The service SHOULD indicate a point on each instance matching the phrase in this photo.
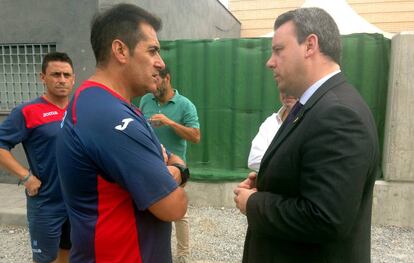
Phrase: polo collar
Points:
(173, 99)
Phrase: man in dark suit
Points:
(311, 200)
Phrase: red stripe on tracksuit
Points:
(116, 236)
(41, 113)
(89, 84)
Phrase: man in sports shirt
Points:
(121, 195)
(36, 124)
(175, 120)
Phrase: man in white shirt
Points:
(268, 130)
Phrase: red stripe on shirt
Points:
(78, 91)
(88, 84)
(116, 236)
(41, 113)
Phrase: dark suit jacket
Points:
(315, 183)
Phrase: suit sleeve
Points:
(336, 157)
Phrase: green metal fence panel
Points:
(365, 62)
(234, 92)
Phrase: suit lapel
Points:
(285, 130)
(281, 135)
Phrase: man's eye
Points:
(277, 50)
(154, 51)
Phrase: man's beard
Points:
(161, 91)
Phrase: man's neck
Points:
(168, 95)
(110, 81)
(60, 102)
(323, 68)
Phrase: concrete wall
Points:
(65, 23)
(188, 19)
(393, 204)
(394, 200)
(398, 162)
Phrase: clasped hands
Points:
(244, 190)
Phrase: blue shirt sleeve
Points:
(13, 129)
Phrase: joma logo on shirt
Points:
(124, 125)
(50, 113)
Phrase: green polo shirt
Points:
(179, 109)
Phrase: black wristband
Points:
(184, 172)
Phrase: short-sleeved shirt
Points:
(36, 124)
(179, 109)
(112, 170)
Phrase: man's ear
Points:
(42, 77)
(120, 51)
(311, 44)
(168, 78)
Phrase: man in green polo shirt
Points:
(175, 121)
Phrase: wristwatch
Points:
(184, 171)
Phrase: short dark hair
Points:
(55, 56)
(164, 72)
(315, 21)
(121, 22)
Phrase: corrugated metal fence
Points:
(234, 92)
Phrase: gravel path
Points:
(217, 235)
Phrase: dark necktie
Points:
(293, 112)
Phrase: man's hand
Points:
(175, 173)
(250, 181)
(10, 163)
(32, 185)
(244, 190)
(160, 119)
(242, 195)
(164, 154)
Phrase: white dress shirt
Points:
(263, 138)
(271, 125)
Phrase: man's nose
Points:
(271, 63)
(159, 63)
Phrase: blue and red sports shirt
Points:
(36, 124)
(112, 169)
